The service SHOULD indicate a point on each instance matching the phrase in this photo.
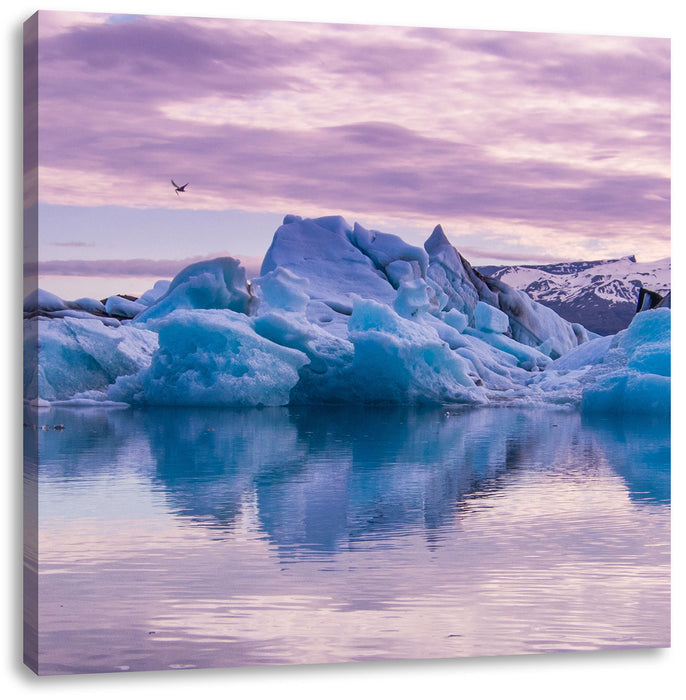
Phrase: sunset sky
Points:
(526, 147)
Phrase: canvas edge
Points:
(30, 283)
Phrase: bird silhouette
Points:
(178, 188)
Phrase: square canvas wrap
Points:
(342, 343)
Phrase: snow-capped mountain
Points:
(600, 294)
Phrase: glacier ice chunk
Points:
(283, 289)
(320, 251)
(67, 356)
(455, 320)
(158, 290)
(413, 299)
(42, 300)
(627, 392)
(211, 357)
(591, 353)
(92, 306)
(210, 284)
(398, 360)
(530, 323)
(383, 249)
(123, 308)
(638, 369)
(489, 319)
(398, 271)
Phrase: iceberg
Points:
(638, 364)
(397, 360)
(120, 307)
(627, 373)
(211, 284)
(92, 306)
(320, 251)
(386, 250)
(339, 314)
(530, 323)
(41, 303)
(212, 358)
(282, 318)
(489, 319)
(41, 300)
(158, 290)
(65, 357)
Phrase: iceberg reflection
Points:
(216, 537)
(322, 479)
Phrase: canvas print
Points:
(342, 343)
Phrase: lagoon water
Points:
(183, 538)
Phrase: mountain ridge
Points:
(600, 294)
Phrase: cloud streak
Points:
(73, 244)
(135, 267)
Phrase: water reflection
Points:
(641, 453)
(173, 537)
(322, 479)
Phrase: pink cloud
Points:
(136, 267)
(564, 133)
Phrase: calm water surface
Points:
(179, 538)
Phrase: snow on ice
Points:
(339, 314)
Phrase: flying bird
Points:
(178, 189)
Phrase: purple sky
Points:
(525, 147)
